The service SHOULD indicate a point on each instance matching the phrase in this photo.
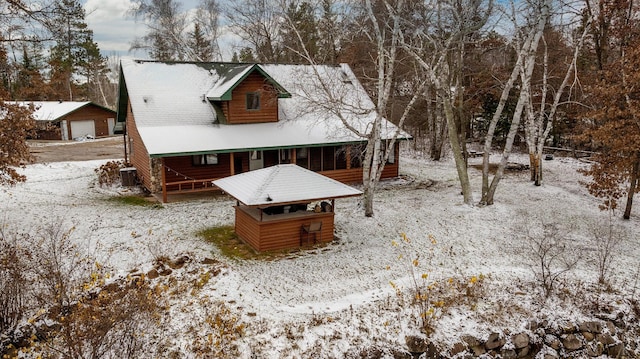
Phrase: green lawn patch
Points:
(227, 241)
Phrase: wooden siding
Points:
(279, 231)
(95, 113)
(140, 157)
(237, 108)
(182, 176)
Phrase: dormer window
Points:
(253, 101)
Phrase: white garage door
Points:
(82, 128)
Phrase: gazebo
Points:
(284, 206)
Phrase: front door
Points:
(256, 161)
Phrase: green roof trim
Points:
(235, 150)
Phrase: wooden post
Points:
(293, 156)
(333, 205)
(164, 182)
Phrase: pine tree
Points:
(300, 38)
(74, 50)
(199, 45)
(30, 84)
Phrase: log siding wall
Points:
(137, 153)
(236, 110)
(280, 231)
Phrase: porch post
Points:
(164, 181)
(293, 156)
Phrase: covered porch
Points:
(284, 206)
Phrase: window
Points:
(253, 101)
(204, 160)
(256, 155)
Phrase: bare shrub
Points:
(109, 173)
(433, 297)
(15, 284)
(218, 333)
(608, 238)
(60, 265)
(548, 247)
(113, 323)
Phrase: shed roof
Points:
(169, 102)
(283, 184)
(54, 110)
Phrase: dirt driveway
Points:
(60, 151)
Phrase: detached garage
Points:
(68, 120)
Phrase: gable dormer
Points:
(246, 94)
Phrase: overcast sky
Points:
(114, 30)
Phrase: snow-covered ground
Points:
(337, 300)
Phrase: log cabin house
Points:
(188, 124)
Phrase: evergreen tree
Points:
(328, 34)
(300, 38)
(199, 45)
(74, 53)
(30, 84)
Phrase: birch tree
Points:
(526, 41)
(169, 37)
(437, 45)
(384, 34)
(540, 119)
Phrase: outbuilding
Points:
(67, 120)
(284, 206)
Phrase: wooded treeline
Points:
(460, 75)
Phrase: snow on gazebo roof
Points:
(281, 184)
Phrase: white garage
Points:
(83, 128)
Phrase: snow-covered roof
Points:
(230, 75)
(53, 110)
(287, 183)
(170, 105)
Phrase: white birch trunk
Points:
(524, 67)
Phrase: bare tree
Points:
(608, 239)
(548, 248)
(335, 96)
(438, 46)
(258, 23)
(540, 119)
(526, 43)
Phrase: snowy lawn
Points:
(337, 300)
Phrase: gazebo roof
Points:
(283, 184)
